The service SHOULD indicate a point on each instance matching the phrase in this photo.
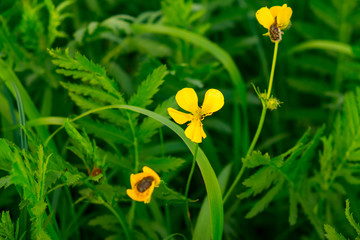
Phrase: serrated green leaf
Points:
(255, 159)
(148, 88)
(350, 218)
(260, 205)
(80, 67)
(168, 195)
(331, 234)
(7, 229)
(260, 180)
(5, 181)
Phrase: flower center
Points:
(144, 184)
(200, 115)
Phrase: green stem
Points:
(188, 186)
(258, 131)
(261, 123)
(237, 179)
(273, 69)
(191, 171)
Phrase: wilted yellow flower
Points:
(143, 184)
(274, 19)
(188, 100)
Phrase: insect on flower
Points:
(275, 19)
(143, 184)
(187, 99)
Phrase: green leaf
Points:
(255, 159)
(260, 181)
(5, 181)
(350, 218)
(7, 229)
(148, 88)
(260, 205)
(331, 234)
(163, 164)
(168, 195)
(326, 13)
(176, 12)
(79, 67)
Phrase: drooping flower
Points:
(143, 184)
(188, 100)
(274, 19)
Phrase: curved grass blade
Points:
(8, 75)
(202, 223)
(23, 141)
(223, 57)
(211, 184)
(323, 45)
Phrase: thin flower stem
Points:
(273, 69)
(237, 179)
(258, 131)
(191, 171)
(188, 219)
(261, 123)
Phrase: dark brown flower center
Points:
(144, 184)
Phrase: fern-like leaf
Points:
(148, 88)
(79, 67)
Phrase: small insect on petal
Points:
(144, 184)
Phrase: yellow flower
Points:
(274, 19)
(188, 100)
(143, 184)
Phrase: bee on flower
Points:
(187, 99)
(275, 19)
(143, 184)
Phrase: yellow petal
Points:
(264, 17)
(135, 178)
(150, 191)
(153, 174)
(132, 194)
(179, 117)
(283, 15)
(213, 101)
(275, 10)
(195, 131)
(187, 100)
